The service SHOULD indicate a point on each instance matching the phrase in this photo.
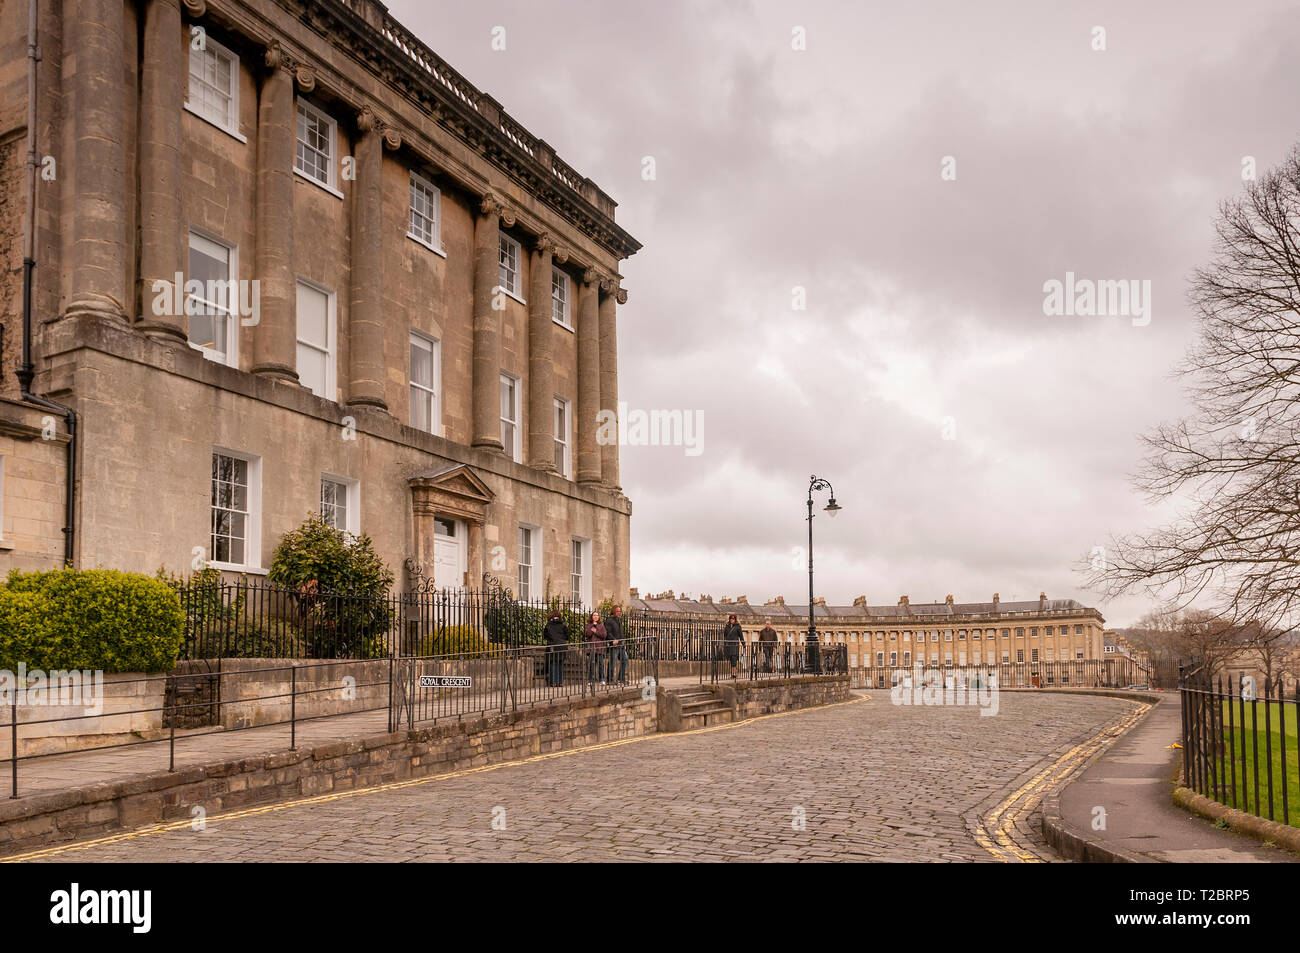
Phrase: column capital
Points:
(560, 255)
(590, 276)
(367, 121)
(544, 243)
(608, 284)
(621, 296)
(492, 204)
(195, 8)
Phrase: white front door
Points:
(449, 544)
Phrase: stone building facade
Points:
(288, 260)
(936, 633)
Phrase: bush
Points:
(97, 619)
(321, 563)
(456, 640)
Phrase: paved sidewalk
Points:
(1133, 782)
(46, 775)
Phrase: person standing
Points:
(557, 645)
(732, 638)
(617, 650)
(596, 637)
(767, 638)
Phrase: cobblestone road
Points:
(869, 780)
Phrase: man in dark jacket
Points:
(767, 638)
(557, 644)
(617, 650)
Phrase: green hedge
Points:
(98, 619)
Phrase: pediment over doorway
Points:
(456, 490)
(454, 481)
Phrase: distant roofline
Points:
(917, 613)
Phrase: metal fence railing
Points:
(1240, 743)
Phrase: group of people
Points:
(733, 637)
(603, 645)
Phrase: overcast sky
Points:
(777, 168)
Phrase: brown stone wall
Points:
(33, 478)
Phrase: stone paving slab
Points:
(868, 780)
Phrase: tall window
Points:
(563, 445)
(214, 86)
(211, 312)
(426, 214)
(525, 562)
(510, 254)
(510, 439)
(316, 340)
(316, 145)
(560, 297)
(235, 502)
(425, 414)
(578, 574)
(340, 502)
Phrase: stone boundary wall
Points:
(132, 710)
(43, 820)
(769, 696)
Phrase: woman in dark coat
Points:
(557, 643)
(732, 638)
(596, 635)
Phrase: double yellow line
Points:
(398, 785)
(994, 831)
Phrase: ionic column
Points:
(275, 338)
(486, 402)
(541, 372)
(98, 265)
(366, 321)
(589, 452)
(162, 224)
(609, 376)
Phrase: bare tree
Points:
(1234, 465)
(1189, 636)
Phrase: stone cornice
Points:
(380, 44)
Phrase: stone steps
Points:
(702, 708)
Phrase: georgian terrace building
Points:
(421, 331)
(937, 633)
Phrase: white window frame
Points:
(352, 501)
(535, 559)
(331, 160)
(432, 241)
(229, 124)
(515, 451)
(565, 301)
(566, 407)
(516, 290)
(584, 574)
(420, 339)
(253, 524)
(332, 336)
(231, 357)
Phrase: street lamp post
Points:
(814, 650)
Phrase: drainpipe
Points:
(27, 370)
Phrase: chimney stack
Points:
(860, 602)
(1042, 602)
(996, 600)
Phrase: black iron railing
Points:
(1239, 743)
